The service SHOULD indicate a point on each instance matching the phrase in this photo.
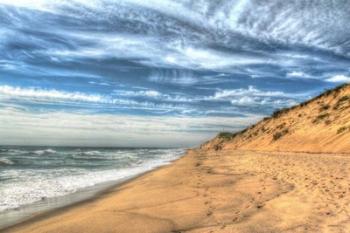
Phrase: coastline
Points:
(67, 202)
(210, 191)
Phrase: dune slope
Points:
(321, 124)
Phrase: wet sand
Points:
(225, 191)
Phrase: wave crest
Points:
(6, 161)
(44, 152)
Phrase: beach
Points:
(175, 116)
(218, 191)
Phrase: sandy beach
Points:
(175, 116)
(226, 191)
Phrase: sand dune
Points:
(319, 125)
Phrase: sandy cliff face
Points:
(321, 124)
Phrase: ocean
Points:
(30, 175)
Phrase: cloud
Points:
(63, 128)
(205, 58)
(156, 95)
(175, 77)
(245, 100)
(206, 36)
(53, 96)
(248, 101)
(38, 4)
(252, 96)
(338, 78)
(146, 93)
(99, 83)
(265, 21)
(297, 74)
(250, 91)
(152, 51)
(49, 94)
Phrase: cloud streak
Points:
(339, 79)
(49, 94)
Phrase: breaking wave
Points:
(42, 152)
(42, 173)
(5, 161)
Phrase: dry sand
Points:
(225, 191)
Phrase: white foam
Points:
(93, 152)
(29, 186)
(42, 152)
(6, 161)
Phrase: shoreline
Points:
(95, 192)
(211, 191)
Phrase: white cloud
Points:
(62, 128)
(34, 94)
(254, 101)
(205, 58)
(297, 74)
(253, 97)
(49, 94)
(250, 91)
(183, 78)
(50, 5)
(271, 23)
(146, 93)
(99, 83)
(38, 4)
(245, 100)
(155, 95)
(338, 78)
(154, 52)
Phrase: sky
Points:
(168, 73)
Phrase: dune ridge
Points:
(321, 124)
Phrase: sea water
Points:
(32, 174)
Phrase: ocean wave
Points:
(12, 151)
(43, 152)
(80, 156)
(33, 182)
(98, 155)
(5, 161)
(93, 152)
(89, 155)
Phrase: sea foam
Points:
(46, 173)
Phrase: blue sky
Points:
(161, 72)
